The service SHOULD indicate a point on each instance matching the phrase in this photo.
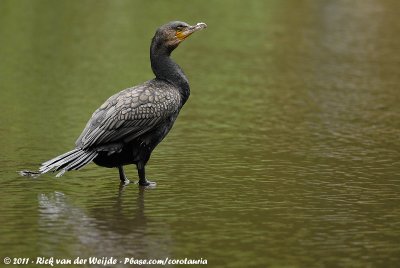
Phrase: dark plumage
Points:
(131, 123)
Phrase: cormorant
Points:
(130, 124)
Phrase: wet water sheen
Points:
(286, 154)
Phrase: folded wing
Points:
(129, 114)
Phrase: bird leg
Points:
(122, 177)
(142, 177)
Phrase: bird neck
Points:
(166, 69)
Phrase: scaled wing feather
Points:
(127, 115)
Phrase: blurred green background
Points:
(285, 155)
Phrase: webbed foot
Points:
(147, 183)
(125, 182)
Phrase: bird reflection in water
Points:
(112, 227)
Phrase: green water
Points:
(285, 155)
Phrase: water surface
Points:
(285, 155)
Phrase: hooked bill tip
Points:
(201, 25)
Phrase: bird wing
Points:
(129, 114)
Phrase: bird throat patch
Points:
(181, 35)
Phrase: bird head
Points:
(173, 33)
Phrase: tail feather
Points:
(59, 161)
(55, 159)
(87, 160)
(72, 160)
(65, 161)
(81, 161)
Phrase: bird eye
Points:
(180, 27)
